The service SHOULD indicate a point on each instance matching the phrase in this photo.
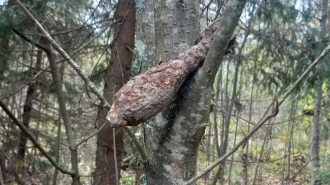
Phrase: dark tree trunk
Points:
(27, 109)
(117, 74)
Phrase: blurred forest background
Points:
(114, 41)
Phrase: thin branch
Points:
(101, 32)
(59, 49)
(137, 144)
(75, 51)
(122, 23)
(84, 23)
(33, 140)
(224, 157)
(115, 153)
(29, 40)
(132, 50)
(89, 25)
(206, 6)
(113, 41)
(309, 69)
(93, 134)
(296, 174)
(209, 168)
(121, 68)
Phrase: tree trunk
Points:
(145, 42)
(107, 168)
(27, 110)
(315, 137)
(176, 27)
(145, 35)
(64, 114)
(178, 129)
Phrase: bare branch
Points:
(259, 125)
(137, 144)
(92, 134)
(224, 157)
(309, 69)
(29, 40)
(59, 49)
(84, 23)
(296, 174)
(33, 140)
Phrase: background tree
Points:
(315, 135)
(277, 40)
(109, 155)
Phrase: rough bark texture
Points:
(180, 126)
(178, 129)
(145, 34)
(117, 74)
(176, 25)
(145, 95)
(145, 47)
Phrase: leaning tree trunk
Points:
(315, 138)
(107, 168)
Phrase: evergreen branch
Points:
(309, 69)
(79, 29)
(33, 140)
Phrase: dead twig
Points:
(33, 140)
(59, 49)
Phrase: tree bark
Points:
(146, 53)
(64, 114)
(180, 126)
(145, 35)
(27, 110)
(178, 129)
(315, 135)
(117, 74)
(176, 27)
